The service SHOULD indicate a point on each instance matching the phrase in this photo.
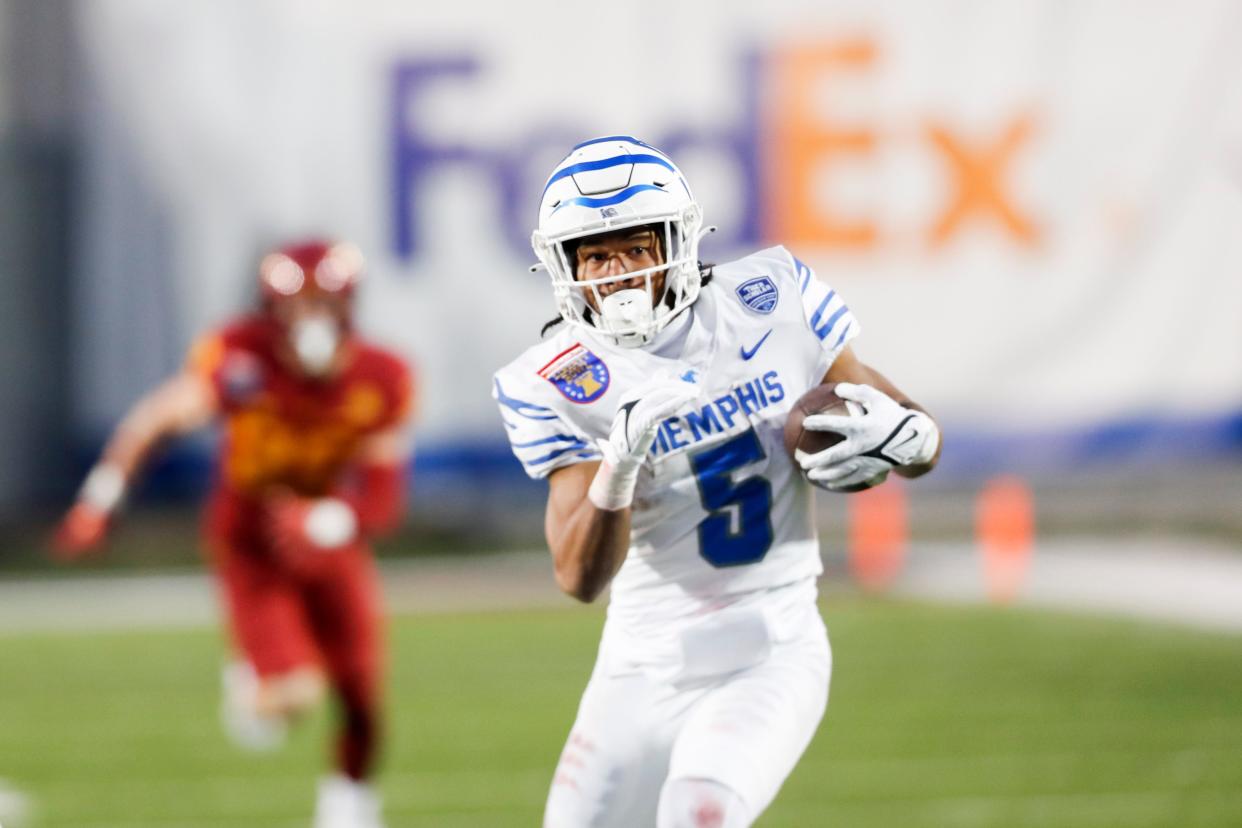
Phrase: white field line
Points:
(189, 600)
(1185, 582)
(1191, 583)
(15, 806)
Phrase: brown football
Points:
(821, 399)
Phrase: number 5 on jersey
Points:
(738, 528)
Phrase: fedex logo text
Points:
(785, 150)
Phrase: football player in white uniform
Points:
(656, 414)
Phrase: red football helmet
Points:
(308, 289)
(308, 267)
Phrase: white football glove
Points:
(884, 436)
(633, 430)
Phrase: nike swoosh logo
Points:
(748, 354)
(879, 450)
(628, 408)
(908, 439)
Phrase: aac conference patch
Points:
(578, 374)
(759, 294)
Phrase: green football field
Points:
(938, 717)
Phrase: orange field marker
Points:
(878, 534)
(1004, 533)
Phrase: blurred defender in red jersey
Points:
(310, 467)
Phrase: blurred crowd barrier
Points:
(1033, 208)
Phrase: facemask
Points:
(315, 340)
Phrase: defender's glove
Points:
(320, 523)
(85, 527)
(633, 431)
(884, 436)
(302, 531)
(81, 531)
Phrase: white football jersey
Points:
(721, 513)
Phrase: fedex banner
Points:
(1034, 208)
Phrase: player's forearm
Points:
(131, 445)
(588, 548)
(376, 490)
(120, 463)
(103, 492)
(179, 406)
(378, 498)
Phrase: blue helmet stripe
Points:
(629, 138)
(617, 198)
(605, 163)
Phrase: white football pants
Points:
(639, 730)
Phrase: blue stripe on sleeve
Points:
(832, 320)
(841, 338)
(804, 272)
(528, 410)
(552, 455)
(555, 438)
(819, 312)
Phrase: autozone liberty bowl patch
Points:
(578, 374)
(759, 294)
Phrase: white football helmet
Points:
(610, 184)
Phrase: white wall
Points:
(1112, 291)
